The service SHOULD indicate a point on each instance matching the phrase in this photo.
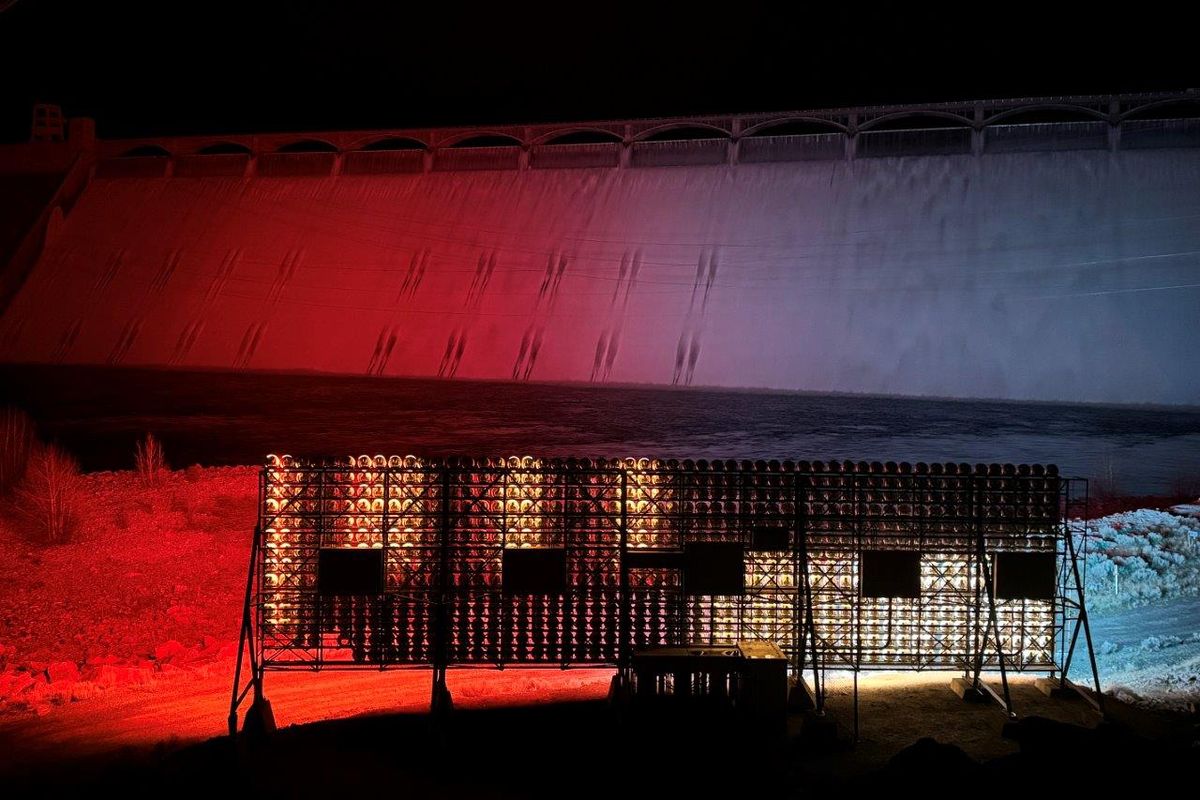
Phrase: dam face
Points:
(1028, 275)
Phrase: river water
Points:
(217, 418)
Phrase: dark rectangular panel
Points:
(764, 538)
(537, 570)
(890, 573)
(1026, 576)
(342, 571)
(714, 568)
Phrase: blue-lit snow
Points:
(1143, 593)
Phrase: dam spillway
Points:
(1044, 274)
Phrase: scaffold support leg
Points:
(968, 691)
(246, 647)
(619, 689)
(440, 702)
(260, 719)
(1081, 623)
(800, 696)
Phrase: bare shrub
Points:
(1105, 485)
(150, 461)
(47, 497)
(16, 441)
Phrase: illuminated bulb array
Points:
(290, 548)
(649, 505)
(397, 504)
(726, 621)
(1027, 631)
(652, 617)
(770, 571)
(532, 500)
(475, 632)
(488, 628)
(933, 630)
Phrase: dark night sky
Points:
(193, 67)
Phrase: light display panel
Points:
(618, 531)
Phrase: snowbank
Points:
(1142, 577)
(1141, 557)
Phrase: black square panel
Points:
(540, 570)
(764, 538)
(714, 568)
(890, 573)
(1026, 576)
(342, 571)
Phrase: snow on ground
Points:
(1187, 510)
(1141, 557)
(1143, 593)
(1149, 655)
(151, 592)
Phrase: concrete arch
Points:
(387, 143)
(307, 146)
(458, 139)
(876, 123)
(1072, 108)
(553, 137)
(147, 151)
(224, 149)
(364, 139)
(650, 133)
(1135, 113)
(758, 128)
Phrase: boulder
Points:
(915, 764)
(13, 683)
(63, 672)
(168, 650)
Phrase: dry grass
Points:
(150, 461)
(1105, 485)
(133, 578)
(47, 498)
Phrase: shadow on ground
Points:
(581, 749)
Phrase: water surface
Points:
(238, 417)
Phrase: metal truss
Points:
(624, 528)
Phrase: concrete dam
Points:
(981, 256)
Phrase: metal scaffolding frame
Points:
(625, 529)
